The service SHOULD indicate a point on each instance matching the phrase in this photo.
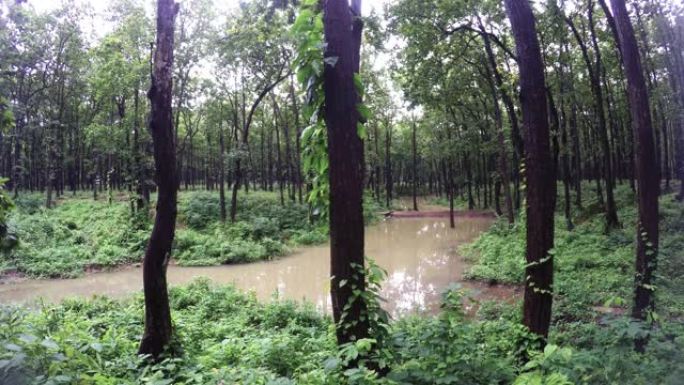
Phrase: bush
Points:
(310, 237)
(78, 233)
(198, 209)
(29, 203)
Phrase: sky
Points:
(98, 26)
(101, 5)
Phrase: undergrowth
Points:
(81, 234)
(223, 336)
(592, 268)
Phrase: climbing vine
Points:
(308, 32)
(310, 63)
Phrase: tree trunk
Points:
(222, 173)
(503, 154)
(298, 147)
(388, 165)
(415, 167)
(345, 153)
(673, 43)
(541, 185)
(648, 185)
(158, 327)
(597, 92)
(279, 164)
(469, 181)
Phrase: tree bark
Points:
(222, 173)
(345, 154)
(597, 92)
(541, 185)
(414, 174)
(648, 185)
(503, 154)
(158, 328)
(298, 147)
(388, 164)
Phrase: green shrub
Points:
(29, 203)
(262, 227)
(310, 237)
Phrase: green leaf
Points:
(364, 111)
(358, 84)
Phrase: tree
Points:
(414, 164)
(541, 184)
(595, 71)
(342, 29)
(256, 53)
(158, 328)
(648, 183)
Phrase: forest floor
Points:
(226, 337)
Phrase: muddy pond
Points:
(420, 255)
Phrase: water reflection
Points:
(419, 254)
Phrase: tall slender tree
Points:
(342, 28)
(648, 184)
(158, 328)
(414, 169)
(541, 184)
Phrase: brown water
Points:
(419, 254)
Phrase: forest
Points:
(325, 192)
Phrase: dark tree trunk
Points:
(611, 208)
(222, 173)
(597, 92)
(244, 144)
(279, 164)
(345, 153)
(237, 177)
(143, 196)
(575, 138)
(298, 147)
(376, 141)
(414, 173)
(237, 173)
(673, 43)
(504, 178)
(469, 181)
(565, 160)
(541, 185)
(388, 165)
(158, 328)
(648, 185)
